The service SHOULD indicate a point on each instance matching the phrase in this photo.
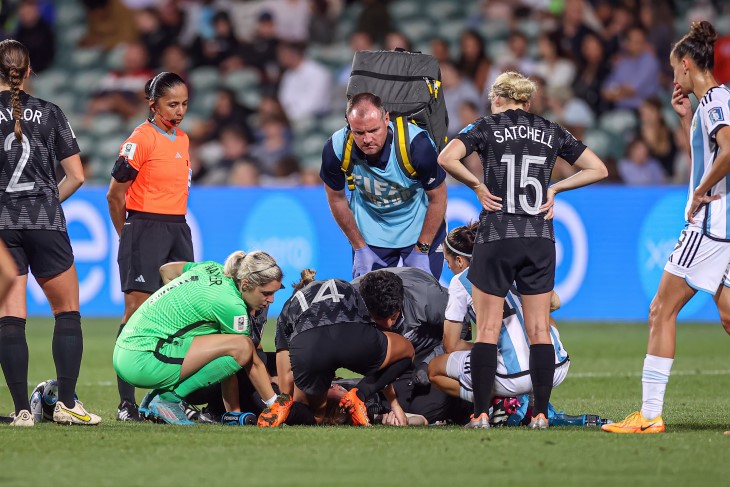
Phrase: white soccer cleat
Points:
(539, 422)
(76, 415)
(23, 419)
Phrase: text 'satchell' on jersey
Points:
(518, 152)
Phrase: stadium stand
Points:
(79, 66)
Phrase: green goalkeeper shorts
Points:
(152, 369)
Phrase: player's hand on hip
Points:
(364, 260)
(487, 199)
(549, 204)
(698, 201)
(419, 260)
(681, 102)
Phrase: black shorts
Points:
(317, 353)
(527, 262)
(148, 241)
(47, 252)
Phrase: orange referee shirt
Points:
(163, 162)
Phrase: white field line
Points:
(571, 375)
(637, 373)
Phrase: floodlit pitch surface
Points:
(604, 379)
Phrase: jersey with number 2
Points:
(28, 189)
(518, 151)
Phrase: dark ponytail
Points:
(159, 86)
(698, 45)
(14, 64)
(460, 240)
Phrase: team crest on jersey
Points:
(128, 150)
(716, 115)
(240, 323)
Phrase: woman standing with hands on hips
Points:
(515, 241)
(147, 199)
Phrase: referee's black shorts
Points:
(148, 241)
(317, 353)
(47, 252)
(529, 262)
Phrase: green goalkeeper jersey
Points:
(202, 301)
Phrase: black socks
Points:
(483, 373)
(14, 359)
(542, 371)
(68, 348)
(126, 390)
(370, 384)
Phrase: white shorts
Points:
(702, 262)
(458, 367)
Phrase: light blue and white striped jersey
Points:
(513, 346)
(713, 113)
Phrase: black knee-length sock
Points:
(483, 372)
(542, 371)
(14, 360)
(68, 348)
(126, 390)
(370, 384)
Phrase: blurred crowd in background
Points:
(267, 78)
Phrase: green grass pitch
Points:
(604, 379)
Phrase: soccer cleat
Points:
(76, 415)
(636, 423)
(502, 408)
(193, 413)
(480, 422)
(355, 407)
(539, 422)
(22, 419)
(160, 411)
(276, 414)
(128, 411)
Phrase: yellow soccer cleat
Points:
(637, 424)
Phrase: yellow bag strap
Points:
(347, 165)
(402, 142)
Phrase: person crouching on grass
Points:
(195, 331)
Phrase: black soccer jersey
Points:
(319, 303)
(424, 308)
(28, 188)
(518, 151)
(257, 324)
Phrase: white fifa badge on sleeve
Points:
(240, 323)
(716, 115)
(128, 150)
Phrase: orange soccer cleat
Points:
(276, 414)
(636, 423)
(355, 407)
